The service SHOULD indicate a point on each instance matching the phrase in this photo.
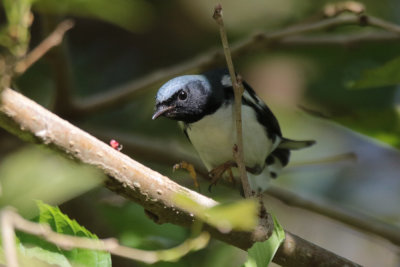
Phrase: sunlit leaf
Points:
(262, 253)
(45, 256)
(35, 257)
(250, 263)
(388, 74)
(133, 15)
(62, 224)
(241, 215)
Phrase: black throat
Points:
(216, 99)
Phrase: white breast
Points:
(214, 136)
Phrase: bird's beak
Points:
(160, 110)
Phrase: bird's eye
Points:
(182, 95)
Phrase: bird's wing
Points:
(264, 114)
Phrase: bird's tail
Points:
(294, 144)
(275, 162)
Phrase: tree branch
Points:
(148, 149)
(288, 37)
(164, 153)
(31, 122)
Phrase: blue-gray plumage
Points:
(203, 104)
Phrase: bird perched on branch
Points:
(204, 107)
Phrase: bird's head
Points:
(185, 98)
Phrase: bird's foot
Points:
(218, 171)
(190, 168)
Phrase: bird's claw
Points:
(190, 168)
(218, 171)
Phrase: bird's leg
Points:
(231, 179)
(218, 171)
(190, 168)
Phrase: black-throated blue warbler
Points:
(204, 107)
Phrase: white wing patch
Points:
(257, 101)
(226, 81)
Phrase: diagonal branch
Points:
(149, 149)
(290, 36)
(155, 192)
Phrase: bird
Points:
(203, 105)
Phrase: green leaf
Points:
(46, 256)
(134, 229)
(60, 222)
(388, 74)
(16, 35)
(250, 263)
(262, 253)
(50, 253)
(35, 257)
(241, 215)
(133, 15)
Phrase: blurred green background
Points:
(115, 42)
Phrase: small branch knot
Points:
(239, 81)
(217, 12)
(363, 20)
(235, 149)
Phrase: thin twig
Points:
(156, 193)
(67, 242)
(237, 112)
(54, 39)
(380, 23)
(61, 69)
(8, 240)
(266, 225)
(345, 40)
